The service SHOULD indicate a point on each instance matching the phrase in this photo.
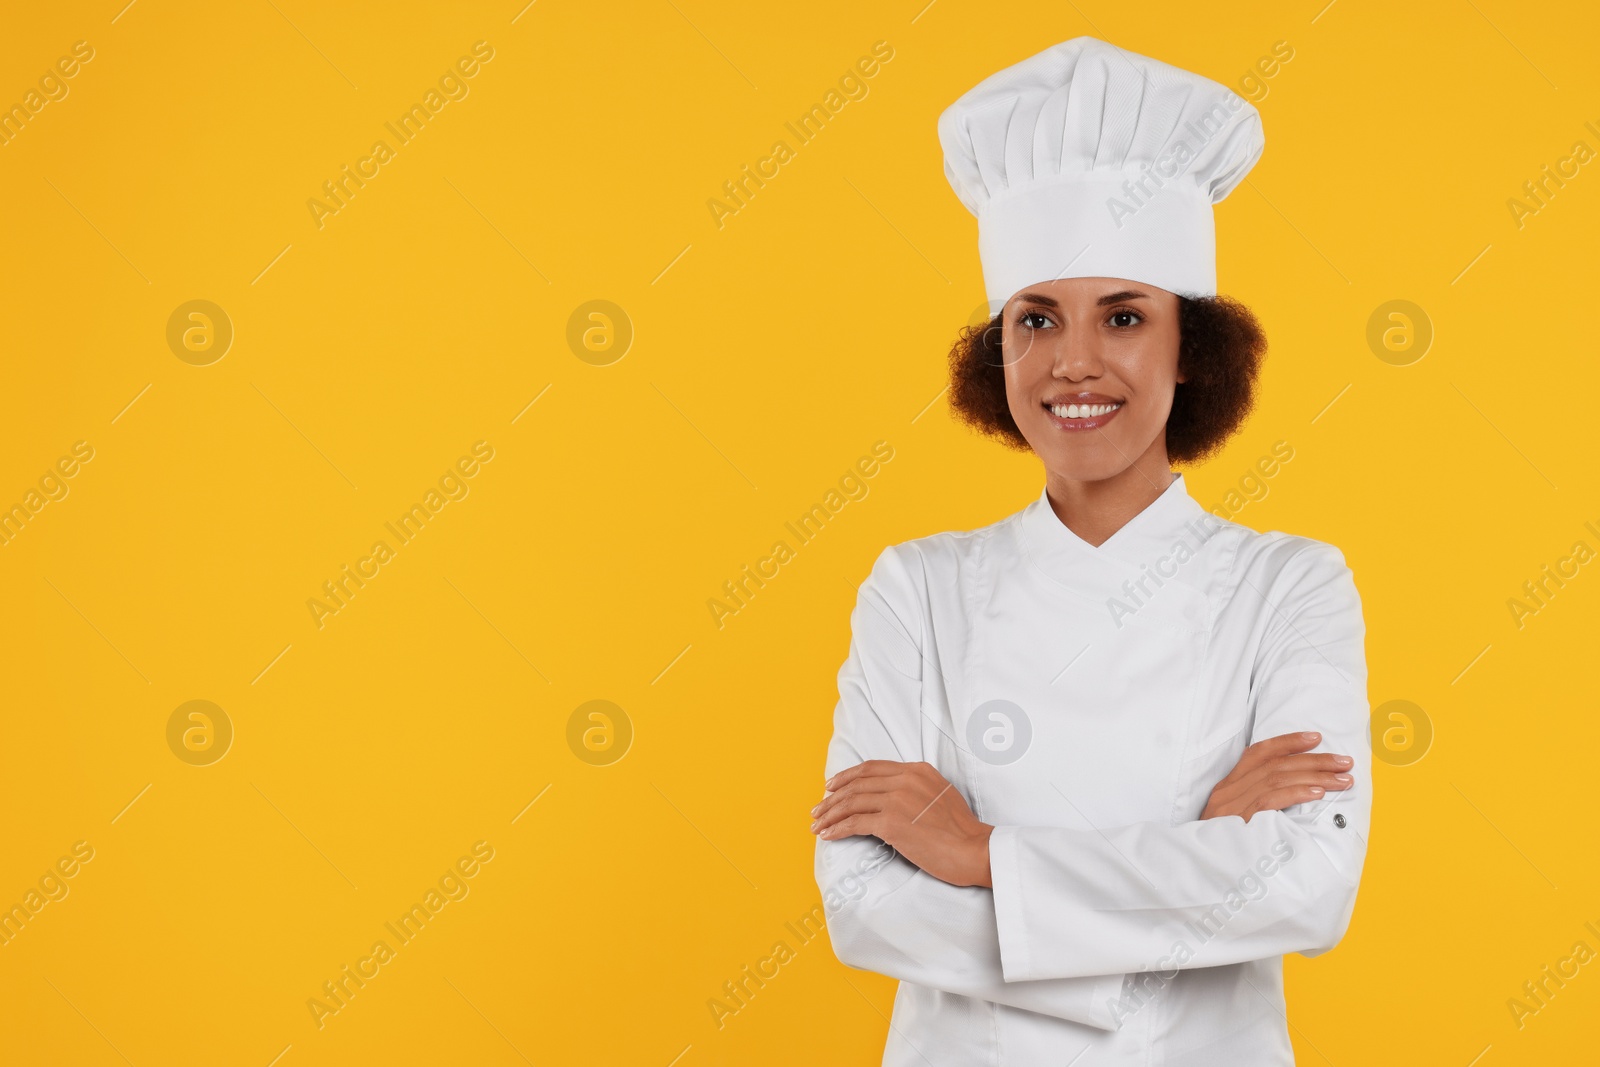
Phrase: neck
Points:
(1094, 510)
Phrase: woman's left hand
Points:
(912, 808)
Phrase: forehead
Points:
(1086, 290)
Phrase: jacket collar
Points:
(1154, 561)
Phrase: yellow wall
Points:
(373, 748)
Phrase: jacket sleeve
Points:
(883, 913)
(1072, 902)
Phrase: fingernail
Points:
(813, 827)
(828, 784)
(1310, 735)
(816, 809)
(1343, 761)
(1316, 790)
(1345, 778)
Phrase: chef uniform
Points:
(1085, 700)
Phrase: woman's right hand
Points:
(1277, 773)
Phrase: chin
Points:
(1091, 457)
(1071, 463)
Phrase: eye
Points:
(1124, 313)
(1034, 320)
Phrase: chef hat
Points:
(1086, 160)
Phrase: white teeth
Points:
(1082, 411)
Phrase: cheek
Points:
(1021, 384)
(1149, 377)
(1014, 392)
(1152, 367)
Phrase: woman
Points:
(1117, 747)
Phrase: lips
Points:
(1081, 411)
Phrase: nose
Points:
(1077, 352)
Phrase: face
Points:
(1091, 365)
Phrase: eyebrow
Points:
(1109, 298)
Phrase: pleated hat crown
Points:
(1087, 160)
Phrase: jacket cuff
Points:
(1016, 959)
(1005, 874)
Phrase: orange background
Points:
(629, 482)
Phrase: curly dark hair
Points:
(1221, 347)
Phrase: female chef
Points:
(1097, 767)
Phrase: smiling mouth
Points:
(1082, 416)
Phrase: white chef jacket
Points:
(1121, 928)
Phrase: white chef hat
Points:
(1087, 160)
